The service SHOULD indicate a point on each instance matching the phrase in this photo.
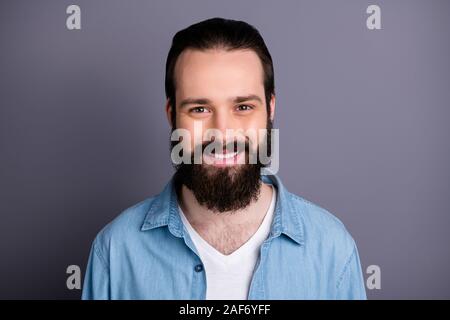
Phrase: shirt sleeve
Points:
(350, 285)
(96, 282)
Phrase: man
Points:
(220, 229)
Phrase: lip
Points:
(225, 155)
(223, 159)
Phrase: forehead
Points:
(217, 72)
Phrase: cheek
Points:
(183, 122)
(258, 127)
(189, 126)
(256, 122)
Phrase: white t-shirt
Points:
(228, 277)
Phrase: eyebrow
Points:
(238, 99)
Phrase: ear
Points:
(272, 107)
(169, 112)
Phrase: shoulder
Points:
(321, 228)
(125, 226)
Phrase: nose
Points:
(221, 121)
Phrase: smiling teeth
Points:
(225, 156)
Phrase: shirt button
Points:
(198, 268)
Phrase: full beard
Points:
(223, 189)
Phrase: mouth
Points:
(225, 155)
(224, 158)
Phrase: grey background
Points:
(363, 118)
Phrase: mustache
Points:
(233, 146)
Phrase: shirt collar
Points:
(163, 211)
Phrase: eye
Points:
(244, 107)
(198, 110)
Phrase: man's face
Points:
(221, 90)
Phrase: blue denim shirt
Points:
(146, 253)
